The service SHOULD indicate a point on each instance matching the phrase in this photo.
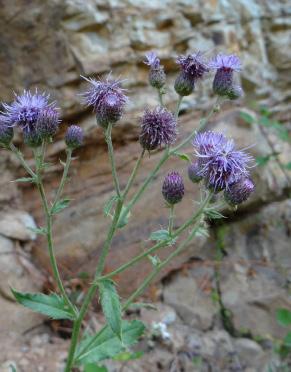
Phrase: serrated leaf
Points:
(51, 305)
(109, 204)
(287, 340)
(283, 317)
(60, 205)
(247, 117)
(25, 179)
(106, 344)
(124, 217)
(213, 214)
(140, 305)
(154, 260)
(202, 232)
(111, 305)
(160, 235)
(182, 156)
(92, 367)
(38, 230)
(126, 355)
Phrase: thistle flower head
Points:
(158, 127)
(173, 188)
(152, 60)
(74, 136)
(240, 191)
(235, 92)
(220, 163)
(193, 65)
(107, 99)
(6, 131)
(25, 109)
(225, 62)
(47, 123)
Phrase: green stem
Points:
(64, 177)
(178, 107)
(48, 217)
(133, 174)
(171, 219)
(22, 161)
(108, 139)
(101, 263)
(160, 97)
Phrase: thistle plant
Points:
(219, 167)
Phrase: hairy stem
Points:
(22, 161)
(133, 174)
(64, 177)
(180, 99)
(39, 162)
(108, 139)
(171, 219)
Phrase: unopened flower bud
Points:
(74, 136)
(173, 188)
(194, 172)
(239, 191)
(157, 77)
(184, 84)
(235, 92)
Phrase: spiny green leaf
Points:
(111, 305)
(109, 204)
(155, 260)
(247, 117)
(182, 156)
(213, 214)
(126, 355)
(105, 344)
(124, 217)
(51, 305)
(60, 205)
(92, 367)
(140, 305)
(25, 179)
(160, 235)
(283, 317)
(202, 232)
(38, 230)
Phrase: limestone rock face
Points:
(49, 43)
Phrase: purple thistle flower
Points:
(223, 80)
(194, 172)
(74, 136)
(240, 191)
(220, 163)
(226, 62)
(173, 188)
(157, 76)
(47, 123)
(158, 127)
(24, 111)
(6, 131)
(193, 65)
(107, 98)
(152, 60)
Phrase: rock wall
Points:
(50, 43)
